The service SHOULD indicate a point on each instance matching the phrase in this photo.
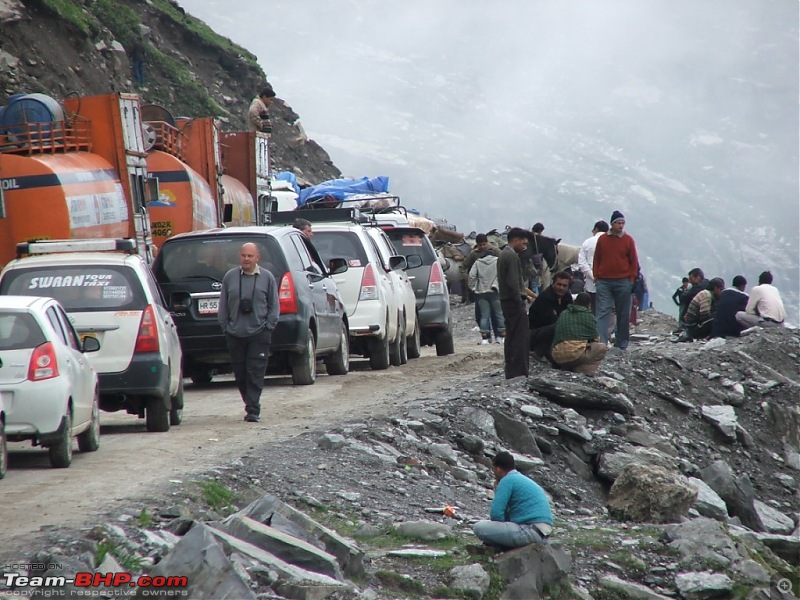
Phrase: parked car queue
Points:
(105, 332)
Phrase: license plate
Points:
(208, 306)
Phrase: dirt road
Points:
(132, 463)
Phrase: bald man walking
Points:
(248, 312)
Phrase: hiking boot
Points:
(252, 418)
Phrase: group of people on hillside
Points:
(707, 309)
(548, 324)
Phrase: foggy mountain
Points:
(681, 114)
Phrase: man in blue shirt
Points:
(520, 513)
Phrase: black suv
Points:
(313, 321)
(430, 287)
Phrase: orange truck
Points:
(245, 157)
(195, 192)
(73, 170)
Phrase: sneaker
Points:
(484, 342)
(499, 340)
(252, 418)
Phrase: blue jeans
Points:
(614, 294)
(506, 534)
(491, 315)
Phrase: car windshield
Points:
(211, 257)
(19, 331)
(408, 243)
(340, 244)
(83, 288)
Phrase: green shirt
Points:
(575, 323)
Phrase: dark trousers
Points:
(542, 341)
(249, 357)
(515, 349)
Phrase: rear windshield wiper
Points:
(201, 277)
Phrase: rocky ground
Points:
(674, 473)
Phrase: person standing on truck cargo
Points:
(258, 113)
(248, 312)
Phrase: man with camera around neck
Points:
(248, 312)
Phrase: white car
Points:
(112, 296)
(375, 310)
(401, 283)
(48, 388)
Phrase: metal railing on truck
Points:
(48, 137)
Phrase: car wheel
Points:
(61, 451)
(444, 343)
(201, 377)
(414, 343)
(89, 440)
(338, 363)
(379, 353)
(397, 354)
(176, 405)
(157, 415)
(3, 450)
(304, 365)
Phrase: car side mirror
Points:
(337, 266)
(397, 262)
(91, 344)
(413, 261)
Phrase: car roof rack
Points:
(91, 245)
(319, 215)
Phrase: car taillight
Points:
(43, 363)
(147, 338)
(369, 285)
(436, 281)
(287, 297)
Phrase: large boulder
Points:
(708, 503)
(611, 464)
(737, 492)
(201, 559)
(702, 541)
(650, 494)
(529, 569)
(470, 580)
(515, 434)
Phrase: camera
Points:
(245, 306)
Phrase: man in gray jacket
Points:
(483, 281)
(248, 312)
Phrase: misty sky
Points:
(682, 114)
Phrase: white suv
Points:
(111, 296)
(401, 284)
(376, 309)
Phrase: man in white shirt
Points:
(586, 256)
(765, 307)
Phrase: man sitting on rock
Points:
(700, 313)
(731, 301)
(764, 307)
(520, 513)
(544, 312)
(576, 345)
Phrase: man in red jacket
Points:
(615, 266)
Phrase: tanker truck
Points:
(73, 170)
(194, 191)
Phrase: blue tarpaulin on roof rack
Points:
(342, 188)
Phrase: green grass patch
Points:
(72, 12)
(400, 582)
(202, 31)
(127, 559)
(145, 519)
(121, 20)
(217, 496)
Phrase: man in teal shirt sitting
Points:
(520, 513)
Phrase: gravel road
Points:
(132, 463)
